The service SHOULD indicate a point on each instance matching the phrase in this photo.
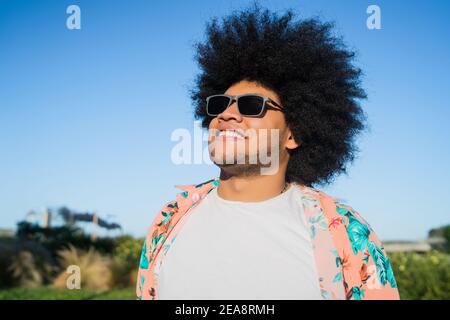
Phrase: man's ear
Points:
(291, 144)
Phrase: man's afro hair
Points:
(309, 68)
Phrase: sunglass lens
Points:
(250, 105)
(217, 105)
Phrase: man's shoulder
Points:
(331, 206)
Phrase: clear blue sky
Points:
(86, 115)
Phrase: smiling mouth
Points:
(237, 134)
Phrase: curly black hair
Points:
(310, 69)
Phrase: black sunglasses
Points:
(249, 105)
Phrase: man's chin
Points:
(235, 169)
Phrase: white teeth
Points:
(231, 133)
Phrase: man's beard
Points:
(240, 170)
(246, 169)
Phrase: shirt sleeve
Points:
(367, 261)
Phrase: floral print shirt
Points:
(350, 260)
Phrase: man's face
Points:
(261, 141)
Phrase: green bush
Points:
(128, 250)
(422, 276)
(126, 257)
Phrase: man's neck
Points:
(251, 188)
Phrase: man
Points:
(280, 100)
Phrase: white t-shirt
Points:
(241, 250)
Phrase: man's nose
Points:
(230, 113)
